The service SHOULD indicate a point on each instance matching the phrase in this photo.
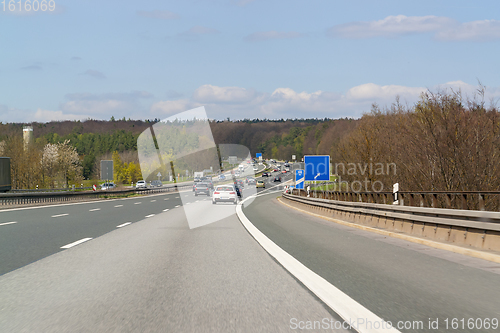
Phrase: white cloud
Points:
(47, 115)
(240, 103)
(213, 94)
(105, 105)
(158, 14)
(199, 30)
(267, 35)
(442, 28)
(94, 74)
(169, 108)
(477, 30)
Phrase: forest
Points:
(445, 141)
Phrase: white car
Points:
(141, 184)
(224, 193)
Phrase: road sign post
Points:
(299, 179)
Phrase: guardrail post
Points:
(448, 200)
(434, 200)
(481, 201)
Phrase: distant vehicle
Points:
(225, 193)
(197, 179)
(156, 183)
(283, 171)
(250, 181)
(202, 188)
(266, 174)
(222, 177)
(255, 168)
(239, 182)
(276, 170)
(277, 179)
(5, 184)
(239, 191)
(287, 169)
(260, 183)
(141, 184)
(107, 186)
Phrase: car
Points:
(255, 168)
(156, 183)
(107, 186)
(222, 177)
(251, 181)
(265, 174)
(283, 171)
(225, 193)
(202, 188)
(260, 183)
(276, 170)
(197, 179)
(239, 182)
(277, 179)
(141, 184)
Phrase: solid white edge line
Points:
(124, 224)
(75, 243)
(7, 223)
(60, 215)
(150, 215)
(338, 301)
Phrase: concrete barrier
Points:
(474, 229)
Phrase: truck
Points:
(199, 174)
(5, 181)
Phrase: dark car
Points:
(266, 174)
(202, 188)
(156, 183)
(251, 181)
(239, 182)
(277, 179)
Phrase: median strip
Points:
(75, 243)
(6, 223)
(123, 225)
(60, 215)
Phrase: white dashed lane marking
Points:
(151, 215)
(60, 215)
(94, 210)
(123, 225)
(153, 200)
(75, 243)
(137, 203)
(118, 206)
(6, 223)
(165, 210)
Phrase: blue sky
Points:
(240, 58)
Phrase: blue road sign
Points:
(299, 179)
(258, 155)
(317, 167)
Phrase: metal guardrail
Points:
(463, 200)
(468, 219)
(10, 199)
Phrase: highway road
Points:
(395, 279)
(152, 275)
(152, 263)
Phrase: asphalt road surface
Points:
(134, 265)
(395, 279)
